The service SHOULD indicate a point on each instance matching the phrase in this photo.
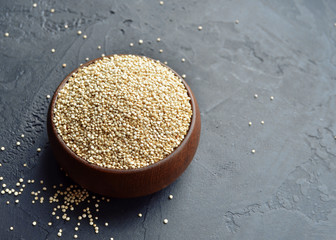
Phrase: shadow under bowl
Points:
(125, 183)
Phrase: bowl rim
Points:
(122, 171)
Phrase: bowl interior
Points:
(120, 171)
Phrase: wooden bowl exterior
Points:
(126, 183)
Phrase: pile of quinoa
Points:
(123, 112)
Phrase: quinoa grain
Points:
(123, 112)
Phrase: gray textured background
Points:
(285, 49)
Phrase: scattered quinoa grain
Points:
(64, 65)
(131, 44)
(255, 95)
(161, 2)
(183, 60)
(2, 148)
(87, 59)
(99, 47)
(161, 50)
(170, 196)
(66, 26)
(34, 223)
(140, 215)
(106, 224)
(84, 36)
(250, 123)
(22, 135)
(48, 96)
(49, 223)
(158, 39)
(18, 143)
(75, 236)
(53, 50)
(200, 28)
(272, 98)
(237, 21)
(34, 5)
(17, 201)
(6, 34)
(253, 151)
(140, 41)
(79, 32)
(52, 10)
(184, 76)
(165, 221)
(11, 228)
(262, 122)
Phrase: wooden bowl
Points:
(125, 183)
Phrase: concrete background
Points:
(285, 49)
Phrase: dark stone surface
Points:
(285, 49)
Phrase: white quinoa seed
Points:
(183, 60)
(38, 149)
(158, 39)
(170, 197)
(75, 236)
(18, 143)
(253, 151)
(131, 44)
(48, 96)
(11, 228)
(52, 10)
(106, 224)
(49, 223)
(271, 98)
(87, 59)
(66, 26)
(34, 223)
(161, 50)
(64, 65)
(22, 135)
(140, 41)
(237, 21)
(34, 5)
(53, 50)
(99, 47)
(140, 215)
(165, 221)
(79, 32)
(84, 36)
(200, 28)
(161, 2)
(2, 148)
(184, 76)
(6, 34)
(250, 123)
(255, 95)
(262, 122)
(135, 113)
